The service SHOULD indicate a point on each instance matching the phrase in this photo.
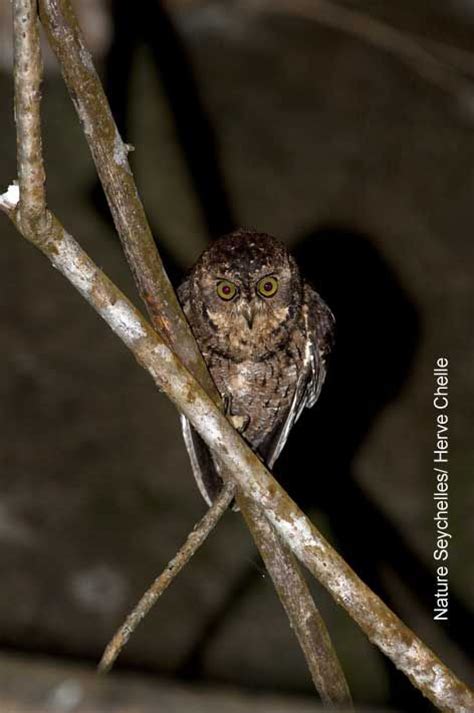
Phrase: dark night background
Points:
(365, 168)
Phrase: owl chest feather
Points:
(258, 392)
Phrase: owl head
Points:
(244, 293)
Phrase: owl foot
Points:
(240, 423)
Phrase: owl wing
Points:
(204, 469)
(319, 329)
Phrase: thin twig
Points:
(194, 540)
(424, 669)
(376, 33)
(28, 70)
(112, 166)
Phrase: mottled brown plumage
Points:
(264, 334)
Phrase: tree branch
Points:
(28, 70)
(382, 626)
(327, 674)
(193, 542)
(110, 158)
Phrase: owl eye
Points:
(226, 290)
(267, 286)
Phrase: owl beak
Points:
(249, 314)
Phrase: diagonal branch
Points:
(194, 540)
(296, 598)
(110, 157)
(424, 669)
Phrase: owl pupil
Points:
(268, 287)
(226, 289)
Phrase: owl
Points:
(265, 335)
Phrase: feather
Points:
(204, 469)
(319, 328)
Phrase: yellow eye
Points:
(267, 286)
(226, 289)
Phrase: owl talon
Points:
(240, 423)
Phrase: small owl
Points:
(265, 335)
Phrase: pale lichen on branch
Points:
(10, 199)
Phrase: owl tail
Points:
(204, 469)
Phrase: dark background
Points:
(364, 166)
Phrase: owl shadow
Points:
(152, 26)
(377, 334)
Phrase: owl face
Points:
(245, 290)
